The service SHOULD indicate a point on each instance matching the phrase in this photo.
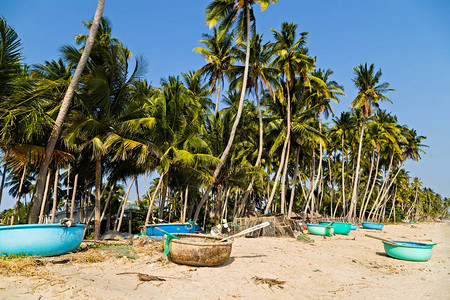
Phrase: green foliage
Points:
(11, 256)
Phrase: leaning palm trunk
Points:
(384, 195)
(258, 159)
(356, 179)
(150, 206)
(183, 216)
(98, 186)
(294, 183)
(236, 121)
(283, 180)
(124, 204)
(74, 193)
(283, 154)
(16, 207)
(107, 202)
(44, 201)
(3, 182)
(57, 127)
(163, 195)
(311, 197)
(366, 189)
(367, 198)
(382, 191)
(55, 194)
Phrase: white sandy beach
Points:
(339, 267)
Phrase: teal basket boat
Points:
(173, 228)
(318, 229)
(40, 239)
(408, 250)
(339, 227)
(371, 225)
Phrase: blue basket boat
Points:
(408, 250)
(40, 239)
(173, 228)
(371, 225)
(354, 226)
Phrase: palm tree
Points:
(291, 60)
(56, 131)
(260, 76)
(10, 57)
(369, 93)
(229, 12)
(219, 57)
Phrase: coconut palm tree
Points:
(240, 14)
(291, 60)
(370, 92)
(218, 53)
(260, 76)
(56, 131)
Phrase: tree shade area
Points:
(251, 131)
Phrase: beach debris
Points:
(143, 276)
(271, 282)
(305, 238)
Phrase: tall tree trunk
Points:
(98, 187)
(366, 199)
(284, 179)
(260, 149)
(355, 181)
(225, 206)
(74, 193)
(124, 204)
(107, 203)
(236, 121)
(56, 131)
(55, 194)
(216, 110)
(68, 192)
(294, 183)
(163, 196)
(150, 206)
(137, 191)
(16, 207)
(44, 201)
(283, 154)
(183, 218)
(378, 200)
(3, 182)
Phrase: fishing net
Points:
(122, 251)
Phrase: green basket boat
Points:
(339, 227)
(408, 250)
(318, 229)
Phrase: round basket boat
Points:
(199, 250)
(40, 239)
(318, 229)
(408, 250)
(339, 227)
(371, 225)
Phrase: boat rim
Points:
(180, 241)
(407, 244)
(23, 226)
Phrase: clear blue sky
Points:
(408, 39)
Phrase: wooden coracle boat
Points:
(41, 239)
(199, 250)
